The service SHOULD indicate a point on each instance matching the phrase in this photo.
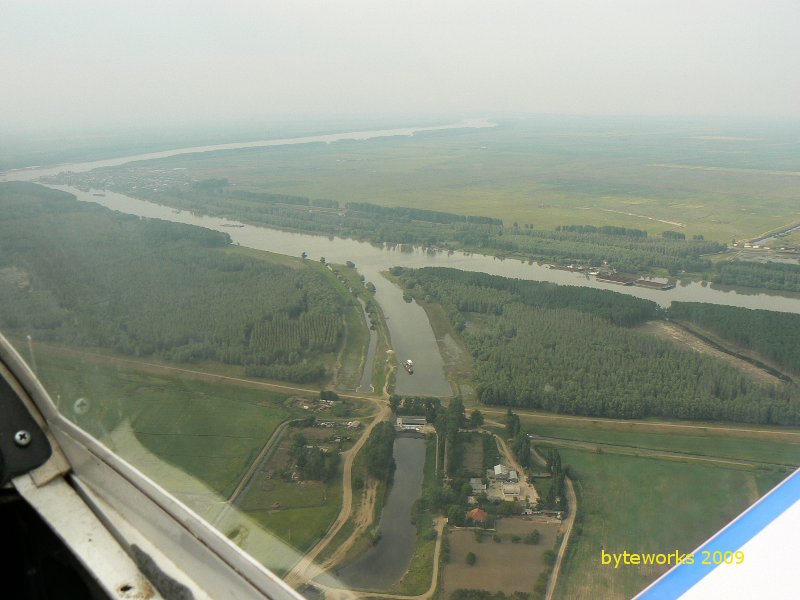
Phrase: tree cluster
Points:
(572, 350)
(311, 461)
(773, 276)
(427, 406)
(775, 335)
(379, 451)
(81, 274)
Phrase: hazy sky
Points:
(119, 63)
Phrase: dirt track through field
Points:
(305, 570)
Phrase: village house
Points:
(477, 485)
(411, 423)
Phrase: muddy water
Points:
(385, 563)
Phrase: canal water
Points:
(385, 563)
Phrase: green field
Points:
(209, 431)
(307, 510)
(547, 173)
(783, 450)
(645, 505)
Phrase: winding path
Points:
(305, 569)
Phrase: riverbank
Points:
(456, 356)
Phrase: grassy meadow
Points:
(208, 430)
(723, 180)
(778, 449)
(639, 504)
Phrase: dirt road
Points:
(572, 508)
(525, 488)
(650, 424)
(636, 451)
(305, 570)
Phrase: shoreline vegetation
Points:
(565, 199)
(611, 369)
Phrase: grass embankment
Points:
(358, 335)
(417, 579)
(359, 477)
(383, 361)
(639, 504)
(770, 446)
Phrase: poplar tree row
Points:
(81, 274)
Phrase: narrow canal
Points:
(386, 562)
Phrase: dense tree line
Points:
(427, 406)
(604, 229)
(463, 291)
(557, 495)
(625, 253)
(520, 443)
(418, 214)
(379, 451)
(571, 351)
(622, 248)
(448, 426)
(773, 276)
(774, 335)
(78, 273)
(270, 198)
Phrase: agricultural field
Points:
(640, 504)
(297, 511)
(709, 179)
(473, 455)
(502, 566)
(209, 431)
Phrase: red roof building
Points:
(478, 515)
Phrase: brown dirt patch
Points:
(504, 567)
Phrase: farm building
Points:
(498, 473)
(477, 485)
(409, 423)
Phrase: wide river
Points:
(410, 330)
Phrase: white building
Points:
(408, 423)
